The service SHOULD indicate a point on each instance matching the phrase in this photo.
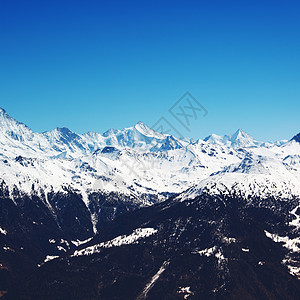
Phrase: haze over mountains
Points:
(61, 192)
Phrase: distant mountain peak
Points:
(110, 132)
(5, 115)
(61, 132)
(9, 123)
(143, 128)
(140, 123)
(2, 111)
(147, 131)
(296, 138)
(64, 130)
(239, 134)
(239, 139)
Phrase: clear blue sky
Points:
(92, 65)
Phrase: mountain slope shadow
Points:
(211, 247)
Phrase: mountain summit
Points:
(239, 139)
(147, 131)
(58, 189)
(12, 132)
(296, 138)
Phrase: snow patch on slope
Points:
(150, 285)
(77, 243)
(291, 244)
(3, 231)
(133, 238)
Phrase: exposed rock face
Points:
(296, 138)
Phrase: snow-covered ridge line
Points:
(245, 185)
(133, 238)
(143, 164)
(62, 142)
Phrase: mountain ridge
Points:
(59, 190)
(238, 138)
(140, 151)
(296, 138)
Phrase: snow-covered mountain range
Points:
(64, 195)
(139, 161)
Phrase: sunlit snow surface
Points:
(78, 242)
(293, 245)
(185, 291)
(139, 161)
(3, 231)
(50, 257)
(150, 284)
(133, 238)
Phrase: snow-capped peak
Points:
(59, 133)
(215, 139)
(13, 132)
(296, 138)
(2, 111)
(147, 131)
(109, 132)
(140, 160)
(239, 139)
(240, 134)
(242, 139)
(7, 121)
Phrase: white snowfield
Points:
(207, 252)
(213, 251)
(133, 238)
(293, 245)
(3, 231)
(186, 291)
(49, 258)
(139, 161)
(77, 243)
